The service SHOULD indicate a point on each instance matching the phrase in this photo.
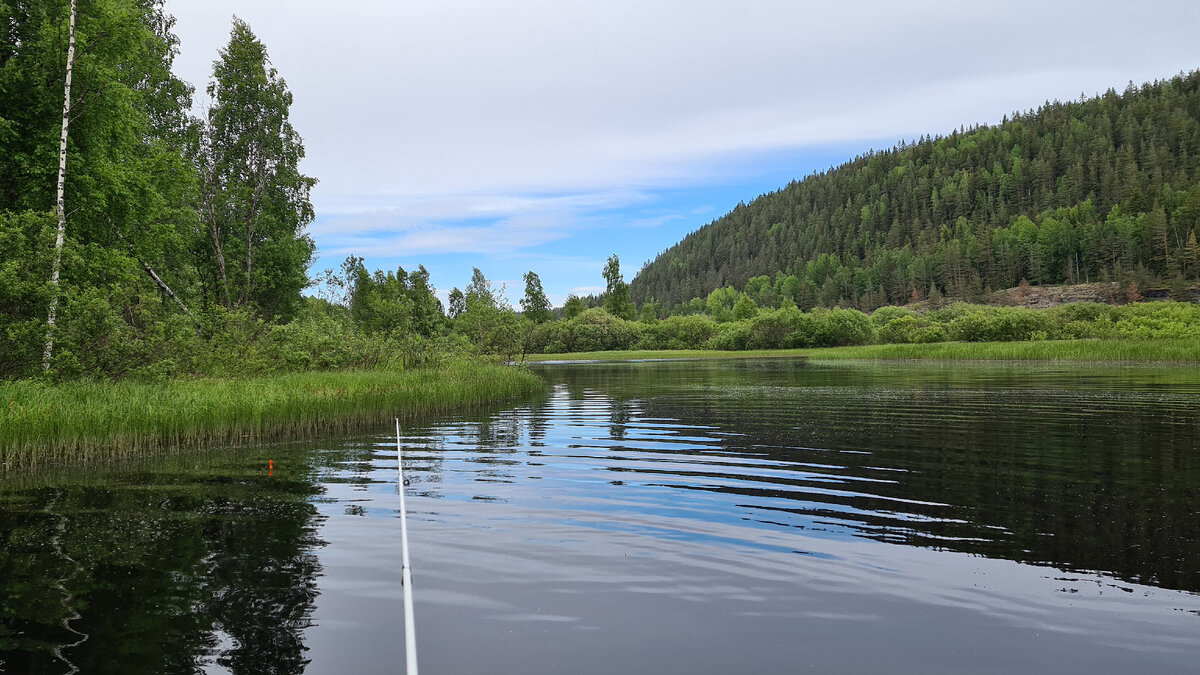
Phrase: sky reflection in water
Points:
(742, 516)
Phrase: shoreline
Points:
(1082, 351)
(86, 421)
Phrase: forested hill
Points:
(1107, 187)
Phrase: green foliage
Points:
(885, 315)
(1071, 192)
(649, 313)
(720, 302)
(255, 200)
(535, 305)
(597, 330)
(790, 328)
(25, 246)
(679, 332)
(1116, 351)
(458, 303)
(900, 330)
(745, 308)
(479, 292)
(780, 329)
(730, 336)
(573, 307)
(397, 302)
(844, 327)
(489, 324)
(616, 295)
(999, 324)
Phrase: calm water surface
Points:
(691, 517)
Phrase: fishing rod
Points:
(410, 633)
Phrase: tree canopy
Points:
(169, 220)
(1095, 189)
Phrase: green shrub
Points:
(930, 334)
(775, 329)
(951, 312)
(731, 336)
(678, 332)
(998, 324)
(845, 327)
(885, 315)
(1081, 311)
(898, 331)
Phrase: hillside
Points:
(1106, 188)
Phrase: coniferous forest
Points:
(1099, 189)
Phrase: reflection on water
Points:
(171, 568)
(744, 516)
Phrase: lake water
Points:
(750, 516)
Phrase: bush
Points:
(1081, 311)
(678, 332)
(930, 334)
(597, 330)
(845, 327)
(25, 245)
(886, 315)
(898, 331)
(731, 336)
(548, 338)
(775, 329)
(999, 324)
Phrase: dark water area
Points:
(765, 516)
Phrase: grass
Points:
(1119, 351)
(70, 422)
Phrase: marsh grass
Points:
(42, 423)
(1118, 351)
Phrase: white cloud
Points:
(475, 125)
(505, 236)
(589, 290)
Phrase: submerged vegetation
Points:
(89, 420)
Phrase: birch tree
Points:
(255, 201)
(59, 205)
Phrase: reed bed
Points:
(1116, 351)
(41, 423)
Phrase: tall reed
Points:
(42, 423)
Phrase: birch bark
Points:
(59, 205)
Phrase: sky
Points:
(547, 135)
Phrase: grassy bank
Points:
(84, 420)
(1119, 351)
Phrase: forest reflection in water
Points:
(165, 566)
(748, 515)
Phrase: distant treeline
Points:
(1105, 188)
(789, 327)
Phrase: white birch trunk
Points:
(59, 206)
(163, 285)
